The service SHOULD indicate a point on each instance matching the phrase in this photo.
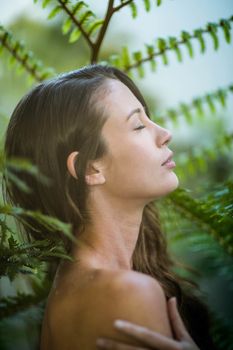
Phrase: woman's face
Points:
(137, 147)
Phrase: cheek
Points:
(135, 163)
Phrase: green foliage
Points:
(23, 58)
(214, 213)
(208, 218)
(197, 106)
(173, 44)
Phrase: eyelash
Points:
(140, 127)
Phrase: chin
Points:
(170, 186)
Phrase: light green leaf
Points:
(94, 26)
(125, 56)
(147, 5)
(226, 30)
(66, 25)
(186, 38)
(134, 11)
(54, 12)
(213, 28)
(45, 3)
(74, 36)
(198, 33)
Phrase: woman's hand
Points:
(152, 339)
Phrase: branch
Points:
(25, 57)
(99, 40)
(136, 60)
(117, 8)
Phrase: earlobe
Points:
(71, 164)
(94, 176)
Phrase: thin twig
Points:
(117, 8)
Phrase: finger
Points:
(176, 320)
(103, 343)
(147, 336)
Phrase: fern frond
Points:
(196, 159)
(11, 305)
(196, 106)
(80, 20)
(163, 46)
(25, 58)
(214, 213)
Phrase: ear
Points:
(94, 174)
(71, 164)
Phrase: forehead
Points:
(119, 100)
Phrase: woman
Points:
(89, 131)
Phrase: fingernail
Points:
(119, 324)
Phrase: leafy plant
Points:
(207, 219)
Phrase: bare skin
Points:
(151, 339)
(100, 286)
(83, 308)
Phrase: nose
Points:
(163, 136)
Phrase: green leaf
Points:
(213, 28)
(209, 100)
(66, 25)
(19, 183)
(185, 110)
(226, 30)
(125, 56)
(150, 52)
(221, 95)
(186, 38)
(174, 46)
(198, 33)
(54, 12)
(45, 3)
(78, 7)
(147, 5)
(133, 8)
(94, 26)
(85, 17)
(74, 36)
(159, 2)
(138, 58)
(162, 46)
(197, 103)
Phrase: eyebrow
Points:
(134, 111)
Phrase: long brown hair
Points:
(67, 114)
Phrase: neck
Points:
(109, 241)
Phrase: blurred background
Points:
(166, 88)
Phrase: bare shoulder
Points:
(89, 312)
(138, 298)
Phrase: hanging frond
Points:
(25, 59)
(79, 21)
(163, 46)
(197, 107)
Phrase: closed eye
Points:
(140, 127)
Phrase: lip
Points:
(168, 159)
